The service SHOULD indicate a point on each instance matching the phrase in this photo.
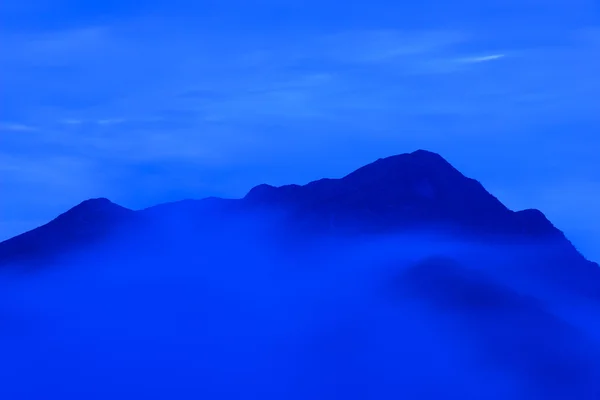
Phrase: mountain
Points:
(415, 190)
(87, 223)
(371, 286)
(418, 190)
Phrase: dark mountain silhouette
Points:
(87, 223)
(419, 190)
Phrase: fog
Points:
(239, 310)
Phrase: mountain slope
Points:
(89, 222)
(552, 353)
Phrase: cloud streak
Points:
(480, 59)
(15, 127)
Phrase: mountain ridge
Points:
(400, 192)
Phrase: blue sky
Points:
(153, 101)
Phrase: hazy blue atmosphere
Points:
(238, 313)
(313, 200)
(152, 101)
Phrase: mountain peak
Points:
(98, 201)
(420, 161)
(426, 155)
(386, 168)
(421, 156)
(89, 221)
(95, 209)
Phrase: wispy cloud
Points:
(103, 121)
(71, 121)
(380, 46)
(16, 127)
(110, 121)
(344, 76)
(256, 77)
(479, 59)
